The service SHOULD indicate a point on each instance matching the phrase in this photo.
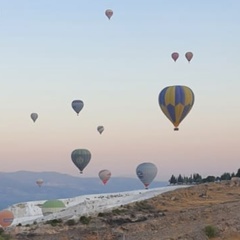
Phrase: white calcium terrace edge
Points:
(30, 212)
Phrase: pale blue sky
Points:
(52, 52)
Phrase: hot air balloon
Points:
(176, 102)
(52, 206)
(100, 129)
(81, 158)
(175, 56)
(77, 105)
(189, 56)
(39, 182)
(146, 172)
(34, 116)
(6, 218)
(104, 175)
(109, 13)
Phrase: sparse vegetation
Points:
(85, 220)
(4, 236)
(70, 222)
(118, 211)
(210, 231)
(143, 205)
(101, 214)
(54, 222)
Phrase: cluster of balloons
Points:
(77, 106)
(188, 56)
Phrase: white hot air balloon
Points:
(104, 175)
(34, 116)
(146, 172)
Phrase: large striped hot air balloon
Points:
(176, 102)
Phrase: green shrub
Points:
(101, 214)
(118, 211)
(54, 222)
(4, 236)
(70, 222)
(85, 220)
(143, 205)
(210, 231)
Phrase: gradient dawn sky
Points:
(55, 51)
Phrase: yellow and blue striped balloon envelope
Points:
(176, 102)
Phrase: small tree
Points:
(226, 176)
(210, 179)
(173, 180)
(197, 178)
(238, 173)
(180, 179)
(190, 179)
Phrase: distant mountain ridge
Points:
(21, 186)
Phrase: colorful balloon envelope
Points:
(175, 56)
(109, 13)
(81, 158)
(34, 116)
(77, 106)
(104, 175)
(6, 218)
(176, 102)
(100, 129)
(39, 182)
(146, 172)
(189, 56)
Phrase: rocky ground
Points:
(181, 214)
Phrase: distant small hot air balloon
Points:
(39, 182)
(77, 106)
(189, 56)
(100, 129)
(175, 56)
(81, 158)
(104, 175)
(146, 172)
(176, 102)
(109, 13)
(34, 116)
(6, 218)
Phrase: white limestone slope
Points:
(29, 212)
